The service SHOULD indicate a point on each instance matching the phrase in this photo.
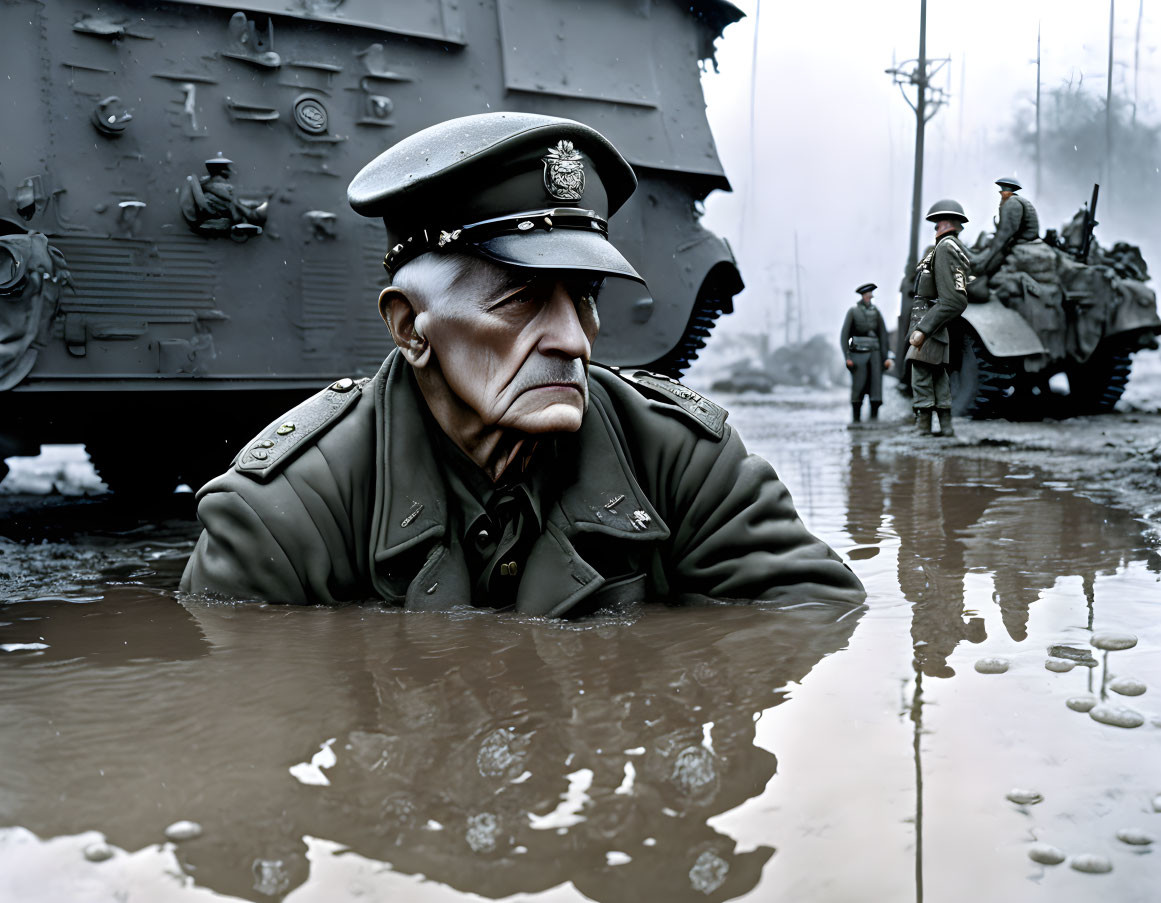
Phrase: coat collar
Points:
(600, 496)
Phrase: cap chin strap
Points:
(464, 237)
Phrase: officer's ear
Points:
(403, 320)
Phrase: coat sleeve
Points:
(884, 346)
(735, 533)
(1011, 218)
(845, 336)
(950, 269)
(286, 540)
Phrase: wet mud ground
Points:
(688, 754)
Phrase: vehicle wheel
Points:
(128, 472)
(984, 386)
(1096, 386)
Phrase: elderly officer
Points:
(864, 344)
(487, 462)
(1018, 223)
(940, 296)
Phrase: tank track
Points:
(713, 300)
(986, 385)
(1101, 381)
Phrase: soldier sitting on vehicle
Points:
(1018, 223)
(487, 463)
(864, 344)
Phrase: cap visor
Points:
(560, 249)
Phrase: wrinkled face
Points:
(517, 351)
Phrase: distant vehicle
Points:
(187, 162)
(1060, 305)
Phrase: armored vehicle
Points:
(178, 263)
(1060, 304)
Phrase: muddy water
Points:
(717, 754)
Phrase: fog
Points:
(828, 155)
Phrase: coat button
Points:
(343, 385)
(483, 537)
(509, 569)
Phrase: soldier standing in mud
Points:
(940, 296)
(1018, 223)
(864, 344)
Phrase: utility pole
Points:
(1038, 109)
(928, 100)
(1109, 112)
(797, 288)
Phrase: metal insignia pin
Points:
(410, 517)
(564, 172)
(640, 520)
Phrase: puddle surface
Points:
(697, 754)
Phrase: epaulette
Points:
(680, 399)
(281, 441)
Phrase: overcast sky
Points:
(833, 140)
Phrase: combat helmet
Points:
(946, 209)
(1009, 184)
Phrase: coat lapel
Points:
(416, 563)
(602, 497)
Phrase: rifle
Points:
(1090, 223)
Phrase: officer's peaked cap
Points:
(865, 287)
(946, 209)
(1009, 184)
(519, 189)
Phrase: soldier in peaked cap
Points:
(1018, 222)
(864, 345)
(489, 462)
(941, 281)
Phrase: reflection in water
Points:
(956, 516)
(490, 753)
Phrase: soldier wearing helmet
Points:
(940, 295)
(490, 462)
(1018, 222)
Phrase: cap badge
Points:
(564, 172)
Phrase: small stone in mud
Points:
(183, 830)
(1127, 686)
(1080, 656)
(1081, 703)
(992, 665)
(1024, 797)
(1135, 836)
(1059, 665)
(1117, 716)
(1046, 854)
(98, 852)
(1091, 863)
(1114, 641)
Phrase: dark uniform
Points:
(359, 494)
(940, 296)
(864, 346)
(1018, 223)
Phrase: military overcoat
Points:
(940, 296)
(864, 343)
(1019, 222)
(660, 500)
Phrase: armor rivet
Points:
(343, 385)
(285, 429)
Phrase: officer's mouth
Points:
(556, 387)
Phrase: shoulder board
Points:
(709, 416)
(281, 441)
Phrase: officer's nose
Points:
(562, 331)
